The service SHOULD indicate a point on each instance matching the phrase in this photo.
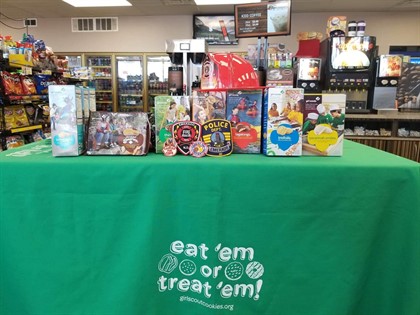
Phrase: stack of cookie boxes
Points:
(285, 122)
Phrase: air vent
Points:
(97, 24)
(30, 22)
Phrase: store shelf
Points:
(408, 147)
(388, 116)
(382, 138)
(23, 129)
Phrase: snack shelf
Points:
(394, 122)
(25, 98)
(389, 138)
(23, 129)
(385, 116)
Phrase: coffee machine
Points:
(308, 75)
(349, 69)
(186, 57)
(384, 91)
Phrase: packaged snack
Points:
(118, 133)
(28, 85)
(283, 119)
(11, 83)
(42, 81)
(66, 131)
(14, 141)
(244, 111)
(15, 117)
(336, 26)
(30, 113)
(168, 110)
(323, 128)
(208, 104)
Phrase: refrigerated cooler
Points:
(157, 76)
(129, 71)
(102, 74)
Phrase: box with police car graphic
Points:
(282, 123)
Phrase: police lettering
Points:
(216, 124)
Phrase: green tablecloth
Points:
(244, 234)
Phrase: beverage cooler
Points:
(157, 77)
(102, 72)
(129, 70)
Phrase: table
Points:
(244, 234)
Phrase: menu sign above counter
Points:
(263, 19)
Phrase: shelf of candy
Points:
(18, 140)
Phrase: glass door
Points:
(157, 77)
(101, 66)
(130, 83)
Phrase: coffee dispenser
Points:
(349, 69)
(309, 75)
(384, 92)
(186, 57)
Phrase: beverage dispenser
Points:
(309, 75)
(388, 72)
(186, 57)
(349, 68)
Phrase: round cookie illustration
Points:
(254, 270)
(234, 271)
(187, 267)
(168, 263)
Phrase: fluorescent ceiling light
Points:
(221, 2)
(98, 3)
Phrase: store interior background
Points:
(147, 33)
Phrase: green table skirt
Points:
(244, 234)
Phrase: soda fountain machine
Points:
(308, 75)
(384, 92)
(349, 69)
(186, 57)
